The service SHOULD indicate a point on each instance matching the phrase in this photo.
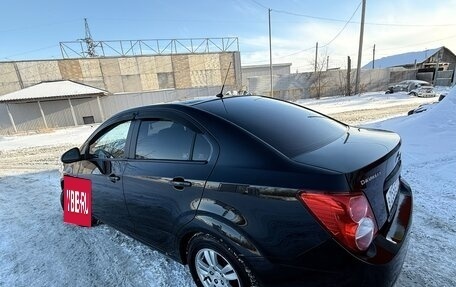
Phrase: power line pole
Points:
(438, 56)
(89, 41)
(373, 58)
(270, 54)
(327, 62)
(316, 56)
(360, 48)
(348, 91)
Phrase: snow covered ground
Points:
(36, 248)
(366, 101)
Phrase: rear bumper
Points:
(331, 265)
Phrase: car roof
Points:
(198, 101)
(177, 105)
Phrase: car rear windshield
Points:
(289, 128)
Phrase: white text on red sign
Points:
(77, 202)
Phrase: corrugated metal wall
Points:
(6, 127)
(116, 103)
(57, 113)
(27, 116)
(86, 108)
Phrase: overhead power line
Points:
(350, 22)
(30, 51)
(259, 4)
(343, 28)
(332, 40)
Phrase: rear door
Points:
(164, 179)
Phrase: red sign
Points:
(77, 201)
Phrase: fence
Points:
(57, 113)
(335, 82)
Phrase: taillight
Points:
(347, 216)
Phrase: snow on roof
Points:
(54, 89)
(402, 59)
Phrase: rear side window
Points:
(202, 150)
(169, 140)
(164, 139)
(289, 128)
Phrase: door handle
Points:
(114, 178)
(179, 183)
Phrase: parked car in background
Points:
(252, 191)
(423, 92)
(442, 96)
(406, 86)
(421, 108)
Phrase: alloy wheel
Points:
(214, 270)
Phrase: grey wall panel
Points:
(27, 116)
(86, 108)
(6, 127)
(114, 104)
(57, 113)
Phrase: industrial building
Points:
(29, 102)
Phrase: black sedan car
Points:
(252, 191)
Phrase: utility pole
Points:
(316, 56)
(373, 58)
(270, 54)
(327, 62)
(360, 48)
(348, 91)
(438, 56)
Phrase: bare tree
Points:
(319, 80)
(343, 85)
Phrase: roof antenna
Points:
(220, 95)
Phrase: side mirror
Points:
(72, 155)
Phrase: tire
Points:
(61, 199)
(213, 263)
(413, 94)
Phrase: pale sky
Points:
(31, 29)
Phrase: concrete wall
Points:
(263, 70)
(127, 74)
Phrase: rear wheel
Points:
(61, 199)
(213, 264)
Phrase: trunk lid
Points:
(371, 162)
